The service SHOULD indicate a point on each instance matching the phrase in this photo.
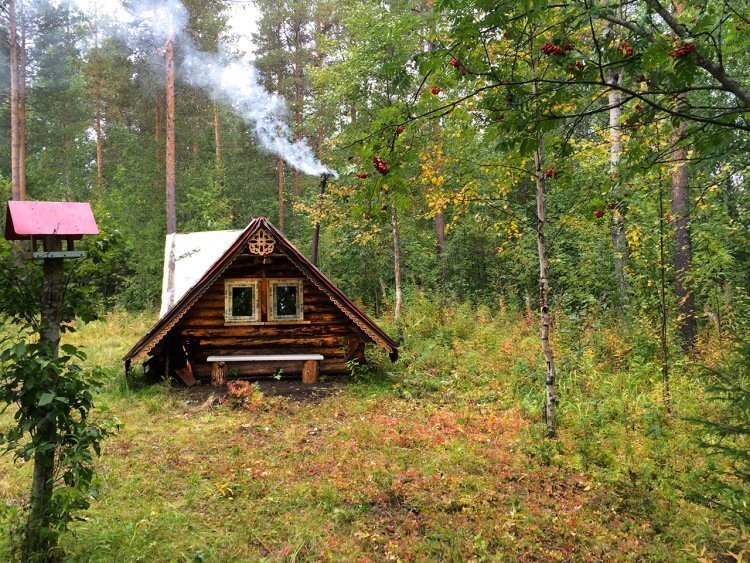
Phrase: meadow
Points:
(440, 456)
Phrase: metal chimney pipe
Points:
(316, 229)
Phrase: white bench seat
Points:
(274, 358)
(310, 368)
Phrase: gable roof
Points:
(66, 219)
(168, 321)
(194, 254)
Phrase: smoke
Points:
(223, 77)
(238, 84)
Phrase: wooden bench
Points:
(310, 369)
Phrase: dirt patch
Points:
(205, 394)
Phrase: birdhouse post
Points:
(47, 224)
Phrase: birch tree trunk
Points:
(396, 262)
(621, 254)
(545, 320)
(683, 253)
(617, 222)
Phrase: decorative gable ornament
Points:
(261, 244)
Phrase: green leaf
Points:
(46, 399)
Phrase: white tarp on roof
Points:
(194, 254)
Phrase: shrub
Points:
(243, 395)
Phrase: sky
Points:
(243, 22)
(242, 19)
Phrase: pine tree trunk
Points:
(280, 166)
(159, 128)
(99, 150)
(170, 183)
(22, 106)
(298, 117)
(396, 262)
(217, 145)
(98, 118)
(68, 152)
(15, 137)
(194, 137)
(39, 538)
(545, 319)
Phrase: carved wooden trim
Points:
(261, 243)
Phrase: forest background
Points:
(475, 142)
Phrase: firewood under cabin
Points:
(241, 304)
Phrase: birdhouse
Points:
(50, 222)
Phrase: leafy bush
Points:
(54, 398)
(726, 437)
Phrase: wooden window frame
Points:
(273, 283)
(229, 285)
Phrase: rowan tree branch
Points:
(714, 69)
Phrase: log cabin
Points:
(247, 304)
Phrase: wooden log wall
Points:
(325, 329)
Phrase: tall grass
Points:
(440, 456)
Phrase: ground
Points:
(367, 469)
(290, 388)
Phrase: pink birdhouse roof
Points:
(70, 220)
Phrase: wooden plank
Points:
(260, 369)
(308, 341)
(310, 372)
(269, 358)
(267, 331)
(218, 374)
(219, 316)
(328, 352)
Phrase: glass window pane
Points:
(242, 302)
(286, 300)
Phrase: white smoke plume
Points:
(234, 82)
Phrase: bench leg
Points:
(218, 374)
(310, 372)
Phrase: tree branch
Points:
(714, 69)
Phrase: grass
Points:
(440, 459)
